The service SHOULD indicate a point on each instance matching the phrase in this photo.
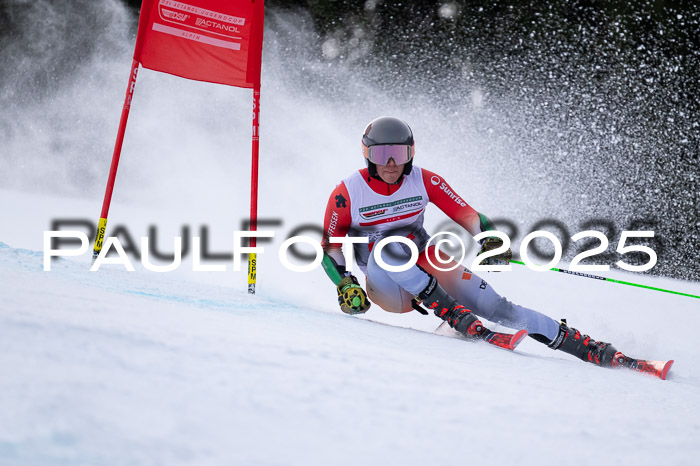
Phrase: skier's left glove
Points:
(351, 297)
(491, 243)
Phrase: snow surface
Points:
(141, 368)
(144, 368)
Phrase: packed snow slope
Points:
(140, 368)
(183, 368)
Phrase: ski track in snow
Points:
(139, 368)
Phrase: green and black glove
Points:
(491, 243)
(351, 297)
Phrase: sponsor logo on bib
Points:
(390, 208)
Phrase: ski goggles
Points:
(381, 154)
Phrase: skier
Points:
(388, 198)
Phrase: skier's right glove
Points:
(351, 297)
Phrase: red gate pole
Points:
(102, 225)
(252, 263)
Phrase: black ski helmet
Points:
(387, 131)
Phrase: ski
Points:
(503, 340)
(655, 368)
(506, 341)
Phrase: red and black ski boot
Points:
(448, 309)
(570, 340)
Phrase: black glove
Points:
(491, 243)
(351, 297)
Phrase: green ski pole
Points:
(597, 277)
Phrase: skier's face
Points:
(390, 173)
